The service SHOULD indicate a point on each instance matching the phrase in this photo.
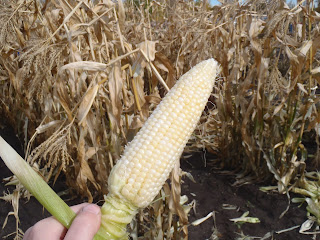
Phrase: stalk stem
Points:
(35, 184)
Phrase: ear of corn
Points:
(149, 158)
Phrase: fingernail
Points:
(92, 209)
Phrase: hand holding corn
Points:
(84, 226)
(148, 159)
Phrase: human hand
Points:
(84, 226)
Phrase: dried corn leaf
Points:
(115, 84)
(305, 47)
(149, 49)
(86, 103)
(84, 65)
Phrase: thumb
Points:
(86, 224)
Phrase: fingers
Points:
(86, 224)
(48, 228)
(51, 229)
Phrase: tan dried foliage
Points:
(79, 78)
(265, 117)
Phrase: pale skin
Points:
(83, 227)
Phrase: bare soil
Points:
(211, 191)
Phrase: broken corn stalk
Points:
(147, 161)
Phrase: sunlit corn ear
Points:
(147, 161)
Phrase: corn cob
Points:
(149, 158)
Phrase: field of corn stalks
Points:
(79, 78)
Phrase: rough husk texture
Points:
(79, 79)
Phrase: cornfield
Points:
(79, 78)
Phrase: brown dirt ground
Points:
(211, 190)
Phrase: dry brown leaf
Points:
(115, 84)
(301, 87)
(122, 16)
(162, 62)
(86, 103)
(272, 23)
(174, 202)
(45, 127)
(149, 48)
(153, 99)
(316, 72)
(64, 101)
(304, 49)
(90, 152)
(256, 46)
(256, 27)
(138, 83)
(293, 58)
(85, 172)
(84, 65)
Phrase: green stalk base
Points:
(116, 215)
